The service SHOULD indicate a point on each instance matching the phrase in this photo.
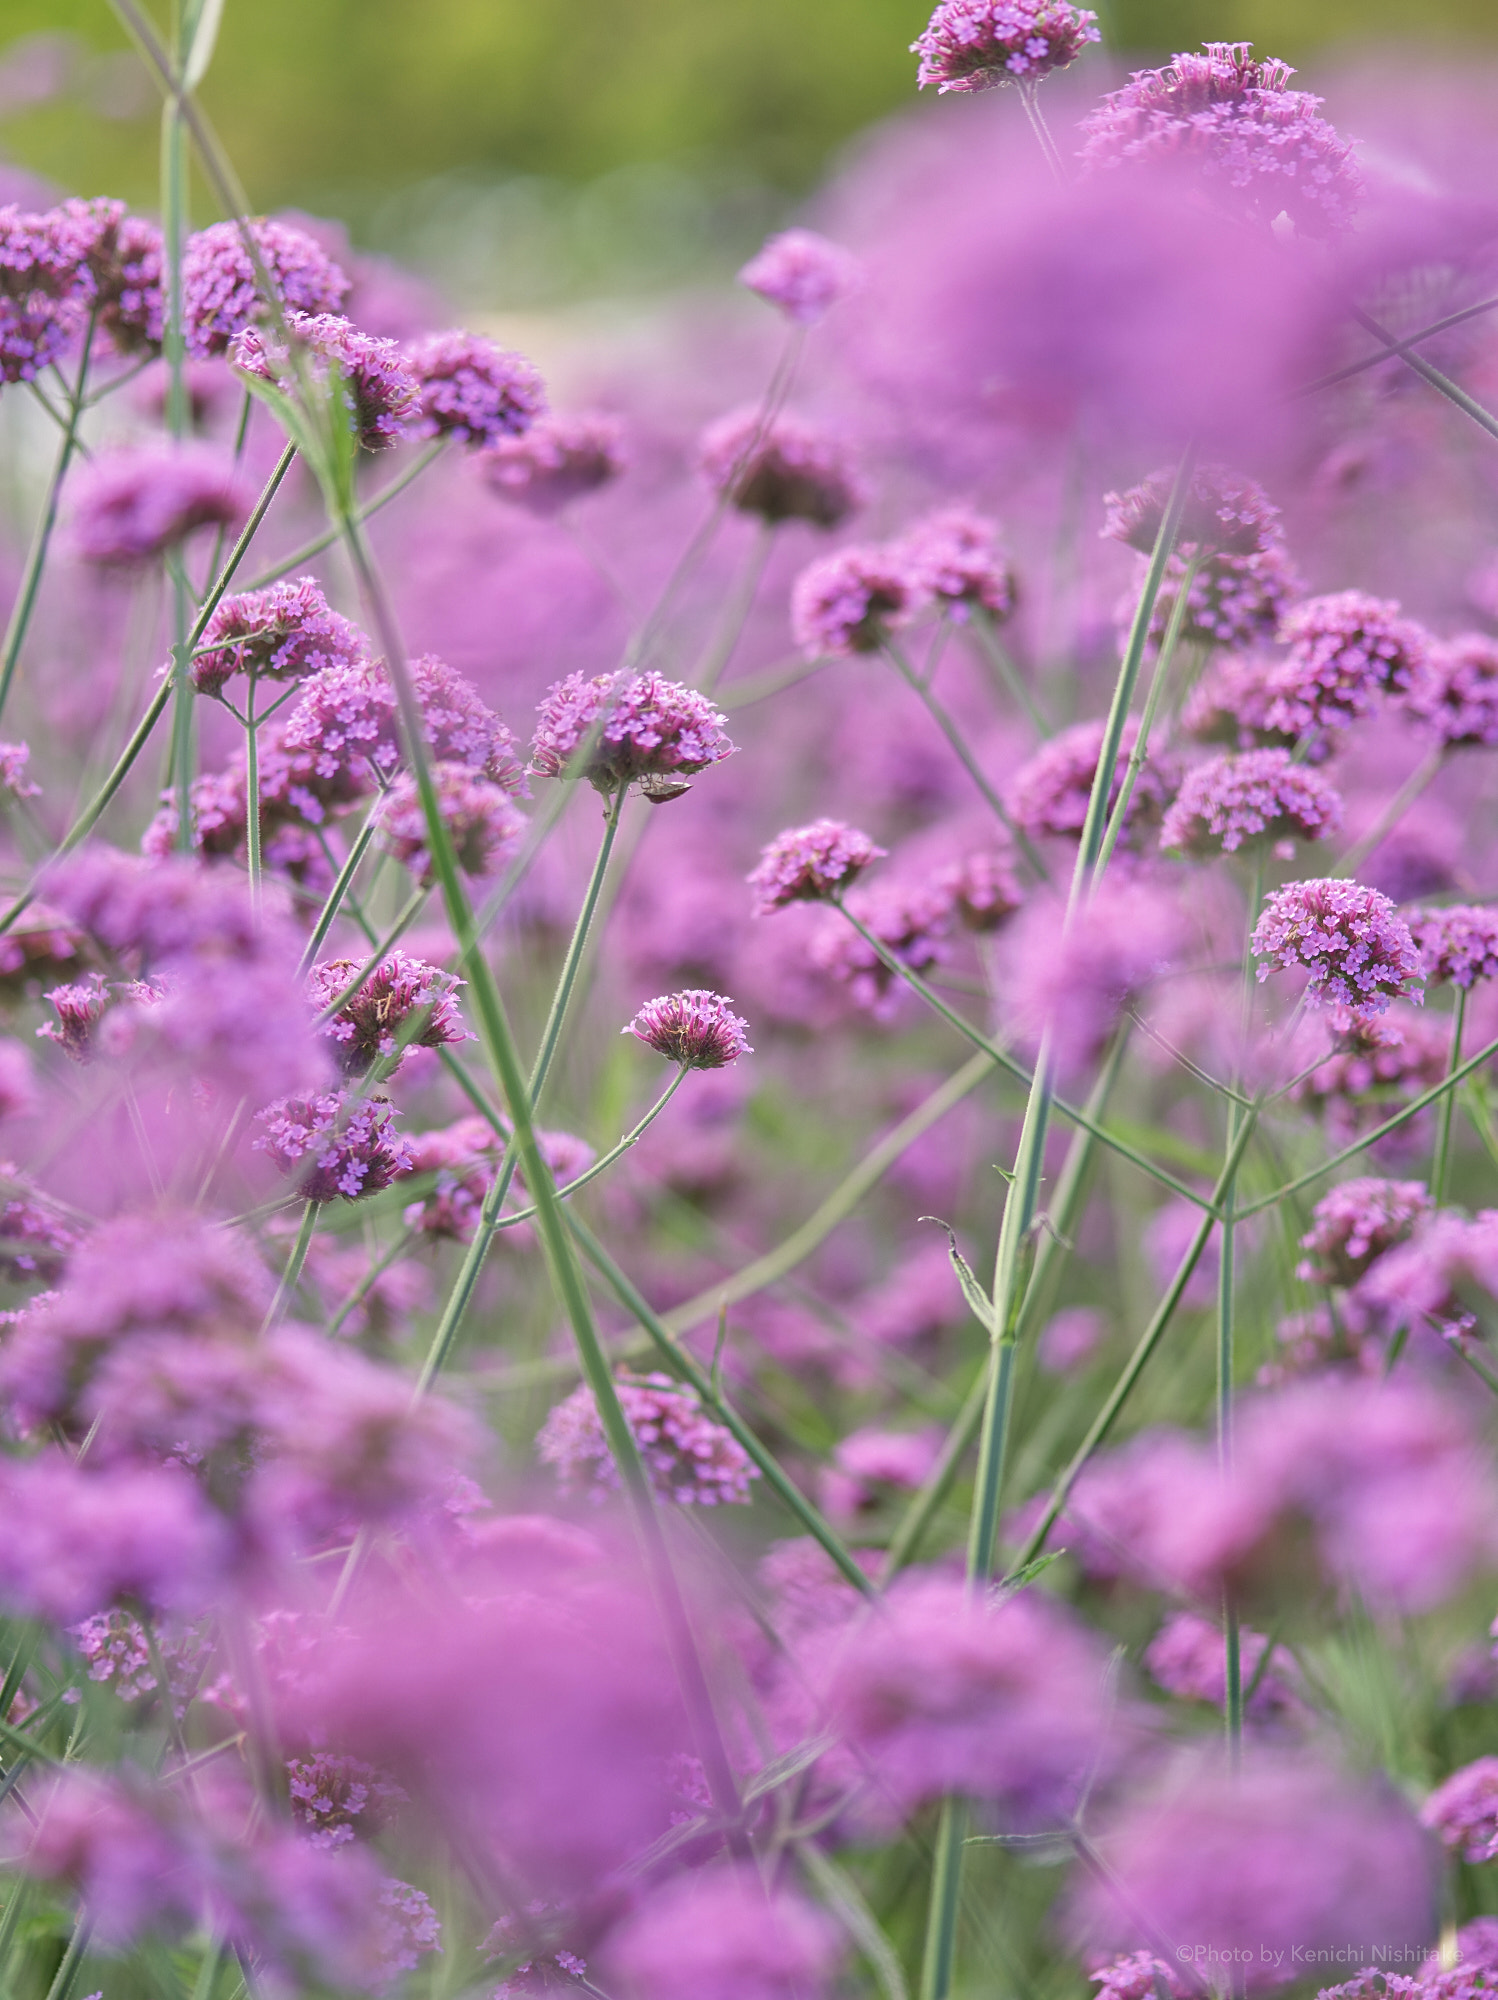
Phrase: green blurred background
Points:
(530, 150)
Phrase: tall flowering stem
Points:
(1440, 1166)
(1423, 774)
(1139, 752)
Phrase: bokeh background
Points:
(530, 154)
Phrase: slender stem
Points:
(961, 749)
(557, 1014)
(1029, 96)
(294, 1262)
(982, 625)
(1139, 754)
(36, 559)
(939, 1959)
(1452, 391)
(251, 791)
(1392, 814)
(1392, 348)
(373, 505)
(601, 1165)
(368, 1282)
(335, 897)
(72, 1958)
(1441, 1163)
(726, 640)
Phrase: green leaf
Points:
(204, 37)
(979, 1303)
(857, 1919)
(1032, 1570)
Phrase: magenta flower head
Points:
(481, 818)
(1358, 952)
(1353, 1225)
(473, 390)
(1224, 514)
(1259, 799)
(783, 469)
(1330, 1858)
(982, 889)
(720, 1932)
(1261, 149)
(284, 632)
(1139, 1976)
(810, 864)
(977, 44)
(690, 1458)
(1051, 791)
(123, 259)
(403, 1004)
(1463, 1813)
(845, 603)
(132, 505)
(696, 1028)
(1456, 691)
(801, 273)
(558, 460)
(951, 557)
(1234, 602)
(646, 731)
(14, 758)
(221, 288)
(44, 289)
(334, 1146)
(1458, 943)
(379, 389)
(1346, 652)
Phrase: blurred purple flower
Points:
(801, 273)
(220, 285)
(977, 44)
(132, 504)
(782, 468)
(472, 390)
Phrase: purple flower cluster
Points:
(1072, 980)
(1457, 944)
(404, 1003)
(377, 385)
(646, 731)
(1222, 514)
(122, 256)
(1357, 952)
(334, 1146)
(1355, 1224)
(221, 280)
(1233, 602)
(781, 468)
(690, 1458)
(558, 459)
(1346, 652)
(1455, 692)
(976, 44)
(801, 273)
(45, 288)
(845, 603)
(472, 390)
(696, 1028)
(1464, 1811)
(287, 631)
(1050, 793)
(1261, 798)
(809, 864)
(133, 504)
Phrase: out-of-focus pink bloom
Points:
(1346, 652)
(982, 889)
(472, 390)
(404, 1003)
(285, 632)
(1138, 1976)
(952, 558)
(133, 504)
(1259, 798)
(46, 288)
(1260, 148)
(221, 287)
(1464, 1810)
(1167, 1236)
(123, 258)
(1358, 952)
(482, 821)
(18, 1094)
(647, 731)
(1050, 793)
(336, 1797)
(1283, 1856)
(870, 1463)
(1458, 942)
(781, 468)
(1234, 602)
(808, 864)
(1455, 691)
(1223, 514)
(912, 925)
(1230, 704)
(334, 1145)
(845, 603)
(1428, 1278)
(689, 1456)
(1355, 1224)
(1188, 1657)
(376, 385)
(558, 460)
(977, 44)
(1069, 1339)
(719, 1932)
(696, 1028)
(801, 273)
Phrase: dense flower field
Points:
(747, 1113)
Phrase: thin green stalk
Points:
(340, 888)
(368, 1282)
(252, 792)
(36, 559)
(1029, 96)
(1452, 391)
(601, 1165)
(373, 505)
(984, 628)
(557, 1014)
(940, 1956)
(964, 755)
(72, 1958)
(1390, 349)
(1441, 1163)
(503, 1056)
(1140, 752)
(294, 1262)
(725, 641)
(1392, 814)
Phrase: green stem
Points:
(251, 792)
(982, 625)
(557, 1015)
(72, 1958)
(294, 1262)
(36, 559)
(725, 642)
(939, 1959)
(340, 888)
(1441, 1163)
(1391, 348)
(601, 1166)
(373, 505)
(1452, 391)
(1392, 814)
(1140, 752)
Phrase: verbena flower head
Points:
(123, 258)
(482, 821)
(697, 1029)
(1050, 792)
(951, 557)
(1261, 798)
(801, 273)
(1188, 1658)
(720, 1932)
(808, 864)
(336, 1798)
(1463, 1812)
(334, 1146)
(647, 731)
(1139, 1976)
(133, 504)
(940, 1692)
(1346, 652)
(1353, 1225)
(472, 389)
(690, 1458)
(1328, 1858)
(220, 287)
(460, 726)
(286, 632)
(1234, 602)
(1457, 943)
(1455, 691)
(783, 468)
(558, 460)
(14, 758)
(1223, 514)
(46, 288)
(1431, 1280)
(1261, 149)
(378, 388)
(911, 923)
(844, 603)
(405, 1003)
(982, 889)
(1357, 950)
(1073, 980)
(1230, 704)
(977, 44)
